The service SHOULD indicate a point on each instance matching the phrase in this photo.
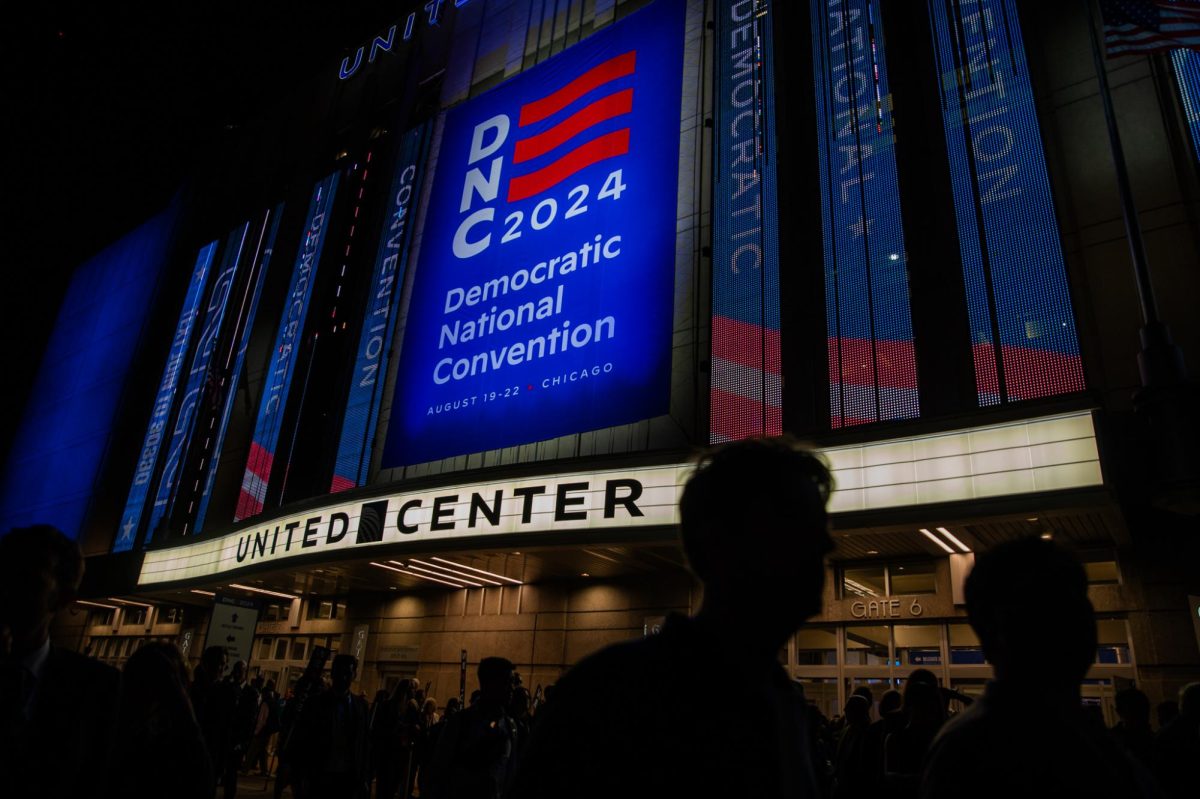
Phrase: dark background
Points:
(112, 110)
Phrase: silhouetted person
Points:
(1165, 712)
(1177, 747)
(1028, 735)
(640, 719)
(266, 724)
(476, 749)
(853, 776)
(1133, 730)
(331, 738)
(57, 707)
(891, 719)
(904, 750)
(159, 750)
(396, 728)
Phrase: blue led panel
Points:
(288, 343)
(1187, 76)
(1022, 325)
(746, 395)
(163, 401)
(198, 387)
(872, 365)
(379, 321)
(542, 299)
(235, 358)
(59, 447)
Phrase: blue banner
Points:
(542, 300)
(252, 292)
(197, 381)
(152, 442)
(1022, 323)
(379, 321)
(288, 340)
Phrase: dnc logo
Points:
(557, 136)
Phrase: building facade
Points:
(428, 356)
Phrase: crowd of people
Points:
(702, 708)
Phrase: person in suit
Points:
(331, 738)
(57, 707)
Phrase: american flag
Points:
(1134, 27)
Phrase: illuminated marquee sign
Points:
(152, 443)
(288, 343)
(379, 323)
(1022, 324)
(747, 393)
(197, 387)
(1046, 454)
(542, 299)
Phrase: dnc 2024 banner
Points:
(542, 300)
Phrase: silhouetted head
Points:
(1027, 601)
(922, 675)
(865, 692)
(237, 674)
(212, 662)
(495, 682)
(1166, 712)
(342, 672)
(430, 706)
(1133, 707)
(755, 531)
(154, 688)
(452, 706)
(857, 711)
(890, 702)
(923, 704)
(40, 573)
(1189, 702)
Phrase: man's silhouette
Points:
(1029, 735)
(643, 718)
(57, 707)
(331, 738)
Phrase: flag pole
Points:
(1160, 362)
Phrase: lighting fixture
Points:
(458, 575)
(477, 571)
(261, 591)
(937, 540)
(872, 551)
(202, 593)
(953, 540)
(1047, 536)
(414, 574)
(585, 574)
(129, 602)
(95, 604)
(432, 573)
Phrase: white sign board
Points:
(232, 626)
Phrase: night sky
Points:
(110, 108)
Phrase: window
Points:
(326, 609)
(171, 616)
(299, 648)
(880, 580)
(1101, 567)
(264, 648)
(281, 648)
(102, 618)
(816, 646)
(965, 649)
(918, 645)
(133, 616)
(277, 611)
(867, 645)
(1112, 639)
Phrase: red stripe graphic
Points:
(735, 418)
(894, 361)
(605, 108)
(341, 484)
(607, 146)
(743, 343)
(610, 70)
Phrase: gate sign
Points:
(542, 300)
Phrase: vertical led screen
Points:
(235, 357)
(1022, 326)
(288, 340)
(379, 321)
(197, 386)
(163, 400)
(746, 397)
(872, 365)
(1187, 75)
(542, 299)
